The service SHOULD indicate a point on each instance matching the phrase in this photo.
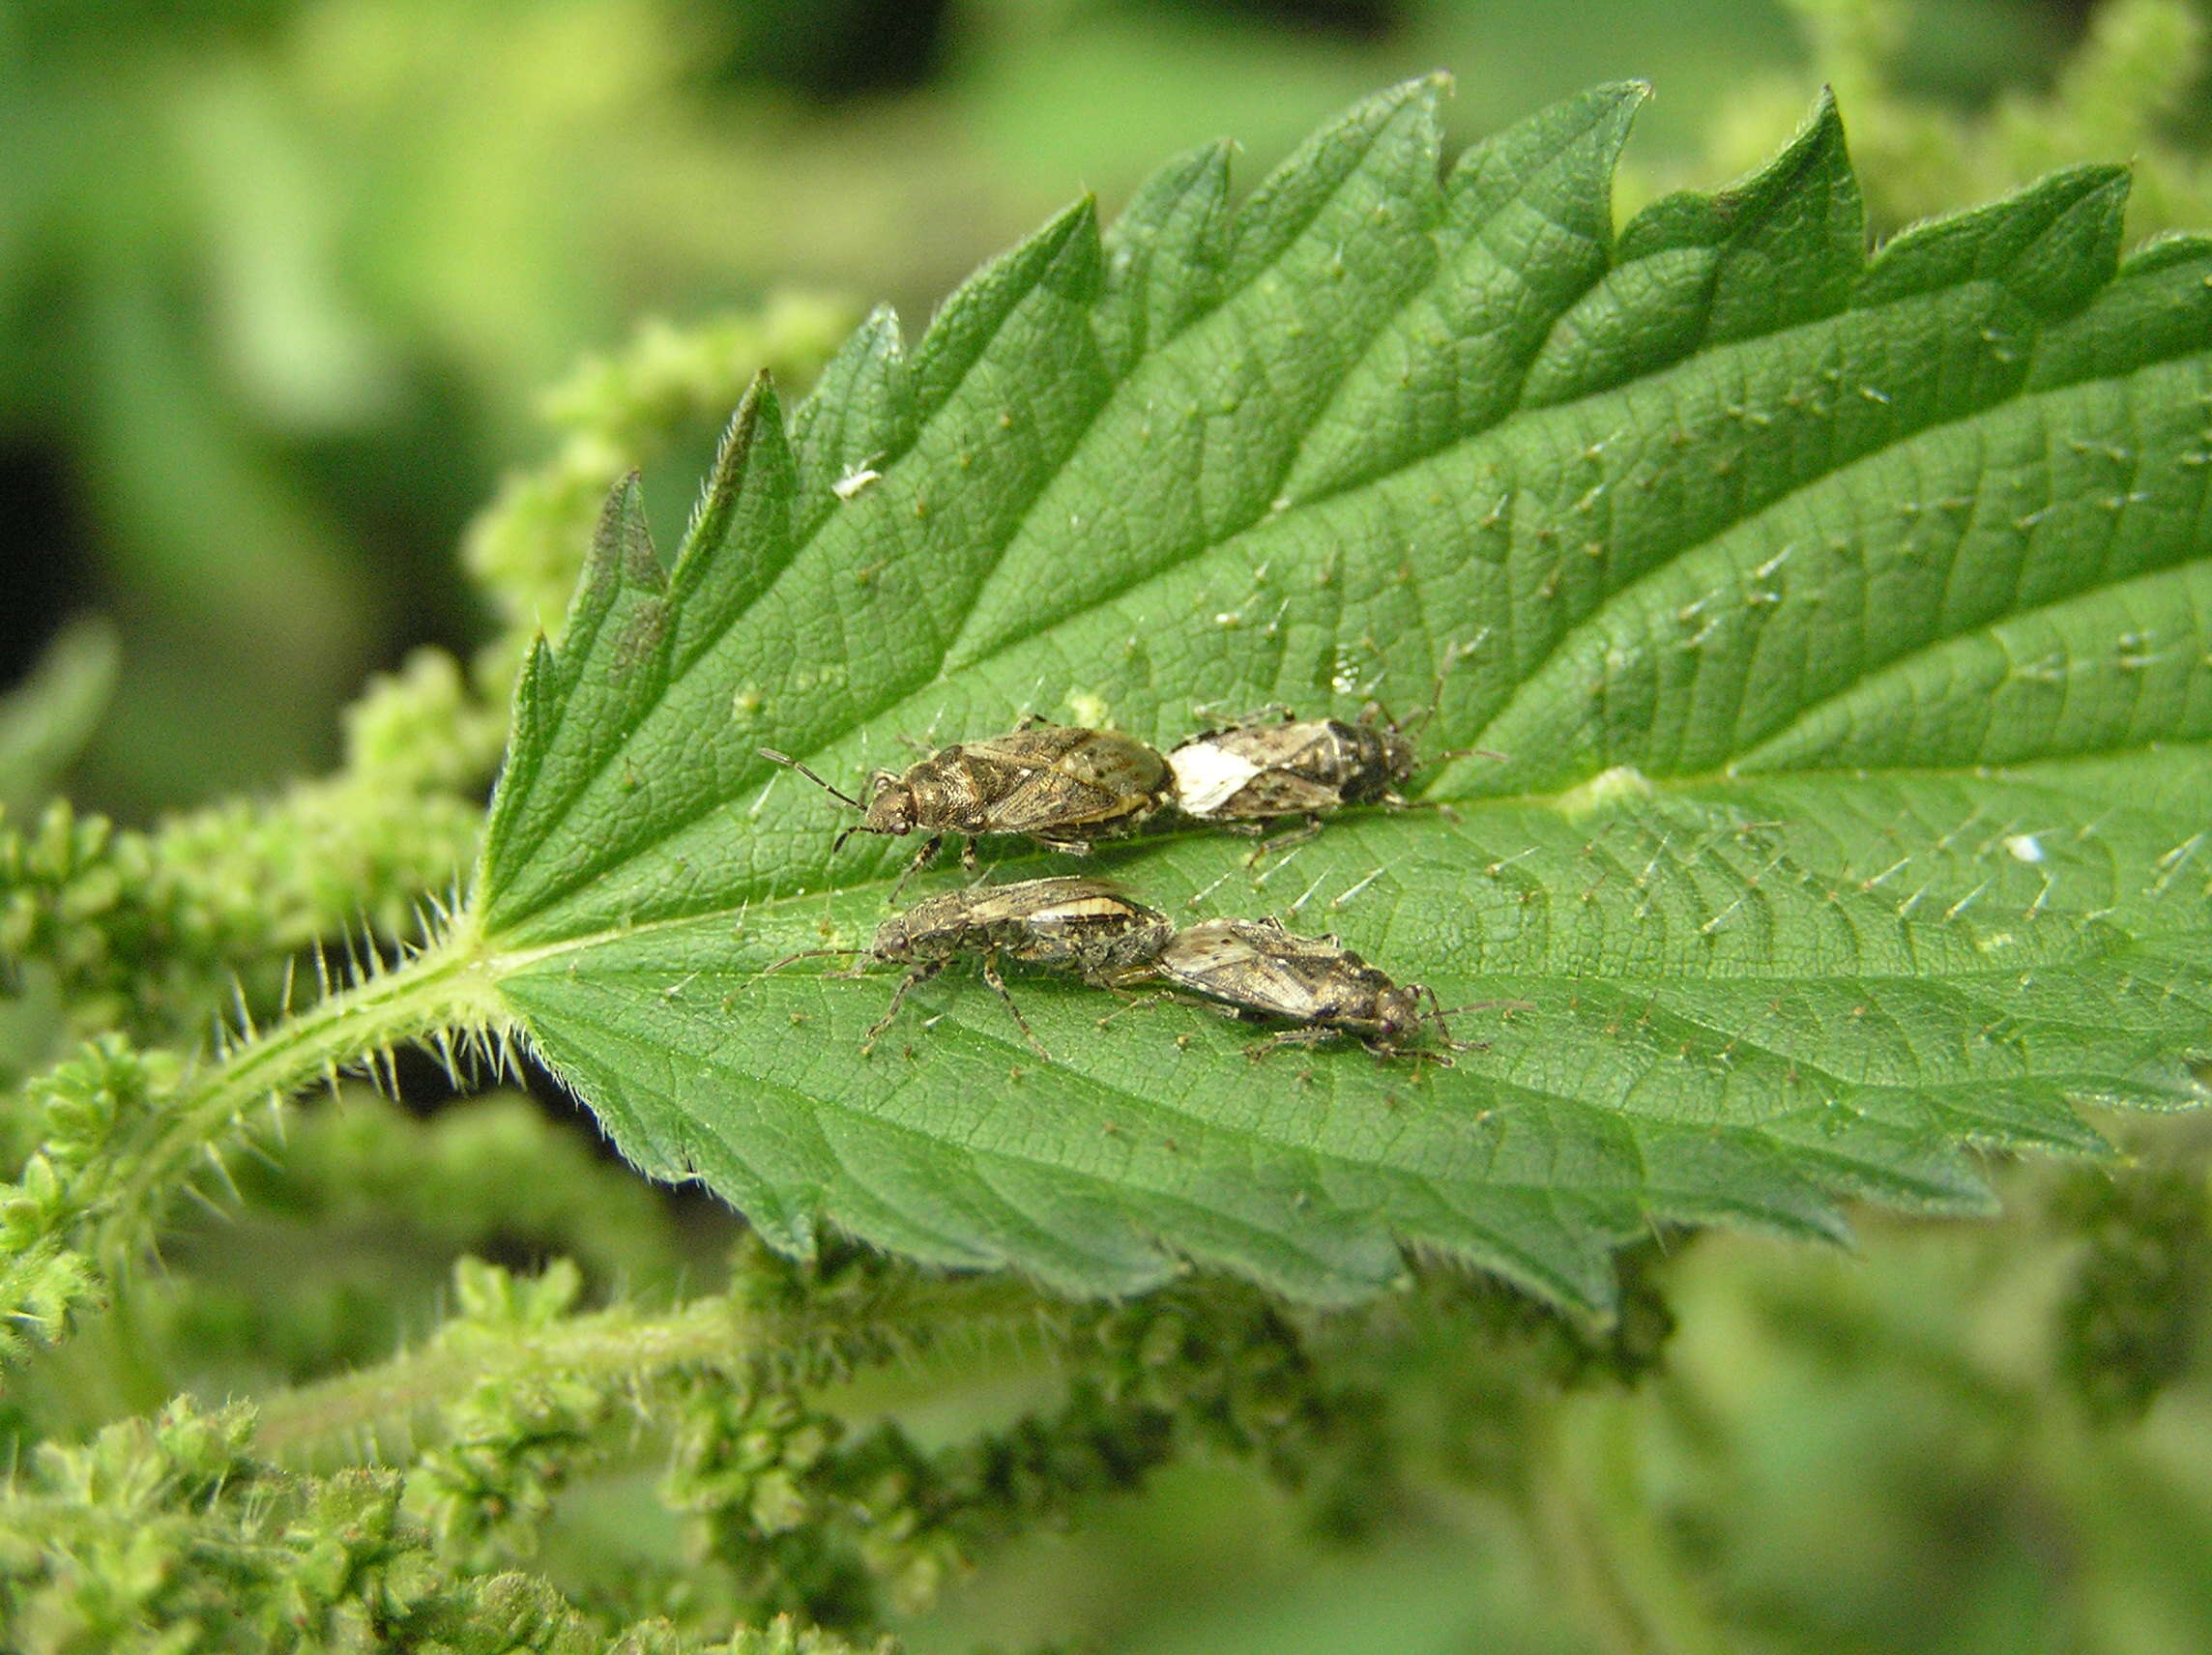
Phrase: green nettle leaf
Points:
(1845, 622)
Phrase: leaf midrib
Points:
(504, 962)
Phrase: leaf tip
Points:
(760, 407)
(1069, 225)
(759, 414)
(622, 546)
(1818, 142)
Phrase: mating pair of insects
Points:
(1066, 787)
(1091, 928)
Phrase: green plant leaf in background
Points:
(1843, 621)
(45, 720)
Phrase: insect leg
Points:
(922, 860)
(998, 987)
(1312, 1034)
(920, 974)
(1384, 1050)
(1399, 801)
(1284, 841)
(1298, 836)
(815, 954)
(1143, 1001)
(1065, 847)
(1132, 1002)
(1436, 1016)
(1129, 1003)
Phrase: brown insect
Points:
(1060, 785)
(1262, 769)
(1274, 764)
(1071, 924)
(1261, 970)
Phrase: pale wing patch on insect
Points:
(1208, 776)
(1096, 905)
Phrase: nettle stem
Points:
(447, 988)
(605, 1345)
(624, 1343)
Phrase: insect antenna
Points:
(1414, 726)
(1438, 1012)
(812, 954)
(791, 764)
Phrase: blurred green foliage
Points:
(281, 285)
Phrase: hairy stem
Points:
(624, 1343)
(447, 987)
(604, 1344)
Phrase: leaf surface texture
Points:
(1844, 622)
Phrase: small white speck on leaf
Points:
(1089, 707)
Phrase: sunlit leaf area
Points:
(1691, 1139)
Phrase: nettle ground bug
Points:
(1072, 923)
(1259, 970)
(1060, 785)
(1273, 764)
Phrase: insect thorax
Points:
(947, 794)
(1373, 758)
(934, 929)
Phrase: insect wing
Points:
(1283, 793)
(1254, 770)
(1072, 920)
(1040, 780)
(1117, 763)
(1251, 966)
